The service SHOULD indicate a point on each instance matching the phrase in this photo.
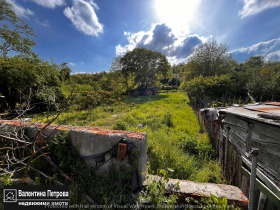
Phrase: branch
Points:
(47, 158)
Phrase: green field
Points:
(174, 139)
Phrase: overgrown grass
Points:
(173, 129)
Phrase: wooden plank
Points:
(249, 139)
(265, 139)
(264, 189)
(226, 147)
(240, 132)
(221, 140)
(233, 120)
(239, 147)
(268, 130)
(263, 177)
(237, 142)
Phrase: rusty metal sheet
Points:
(273, 103)
(272, 109)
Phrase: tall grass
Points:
(174, 141)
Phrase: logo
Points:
(10, 195)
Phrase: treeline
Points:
(213, 77)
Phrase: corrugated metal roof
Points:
(267, 113)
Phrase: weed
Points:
(120, 126)
(174, 138)
(154, 194)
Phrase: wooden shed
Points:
(235, 131)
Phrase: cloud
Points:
(269, 49)
(274, 56)
(72, 64)
(252, 7)
(44, 23)
(83, 16)
(19, 10)
(49, 3)
(161, 38)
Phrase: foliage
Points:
(4, 181)
(120, 126)
(165, 143)
(30, 75)
(155, 194)
(212, 203)
(210, 59)
(212, 86)
(263, 79)
(212, 75)
(148, 67)
(92, 99)
(15, 34)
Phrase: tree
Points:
(254, 61)
(148, 67)
(210, 59)
(15, 34)
(22, 75)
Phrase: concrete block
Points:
(92, 141)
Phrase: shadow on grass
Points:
(143, 99)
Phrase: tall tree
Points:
(15, 34)
(147, 66)
(210, 59)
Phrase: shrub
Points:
(120, 126)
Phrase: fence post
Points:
(255, 152)
(226, 148)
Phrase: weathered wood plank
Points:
(271, 167)
(264, 189)
(220, 146)
(237, 144)
(241, 133)
(249, 139)
(268, 130)
(233, 138)
(236, 121)
(265, 139)
(264, 178)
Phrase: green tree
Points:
(254, 62)
(64, 71)
(148, 67)
(210, 59)
(29, 75)
(15, 34)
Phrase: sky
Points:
(89, 34)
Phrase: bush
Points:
(120, 126)
(212, 87)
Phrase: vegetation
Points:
(175, 142)
(213, 75)
(31, 76)
(15, 34)
(171, 125)
(148, 67)
(21, 71)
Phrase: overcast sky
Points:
(88, 34)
